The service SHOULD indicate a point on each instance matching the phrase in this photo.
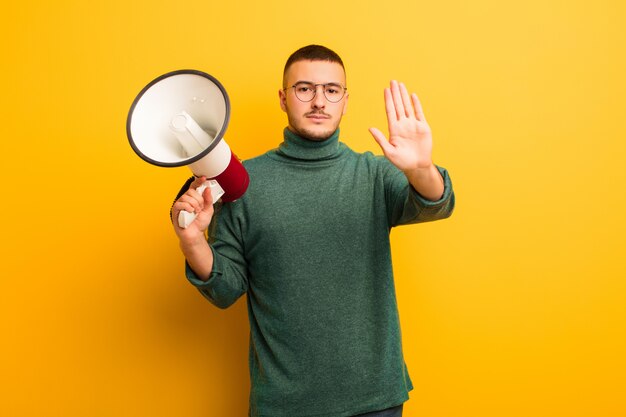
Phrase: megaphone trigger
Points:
(216, 190)
(185, 218)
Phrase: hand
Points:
(193, 202)
(410, 143)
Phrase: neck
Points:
(298, 147)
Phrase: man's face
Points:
(319, 118)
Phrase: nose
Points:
(319, 101)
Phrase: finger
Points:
(182, 206)
(382, 141)
(392, 116)
(419, 113)
(192, 198)
(197, 182)
(397, 100)
(406, 101)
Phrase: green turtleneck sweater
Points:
(309, 245)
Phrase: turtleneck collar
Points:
(295, 146)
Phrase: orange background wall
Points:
(515, 306)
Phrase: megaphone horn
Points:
(180, 119)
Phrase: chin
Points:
(314, 131)
(319, 137)
(318, 134)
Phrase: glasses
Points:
(306, 91)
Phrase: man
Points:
(309, 245)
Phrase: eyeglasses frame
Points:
(345, 90)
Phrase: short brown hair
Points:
(313, 53)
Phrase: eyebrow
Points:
(311, 82)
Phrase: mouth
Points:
(317, 116)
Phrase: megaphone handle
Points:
(185, 218)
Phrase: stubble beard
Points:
(316, 136)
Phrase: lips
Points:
(317, 116)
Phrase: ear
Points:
(283, 100)
(345, 104)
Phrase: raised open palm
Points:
(410, 144)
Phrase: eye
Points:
(333, 89)
(304, 88)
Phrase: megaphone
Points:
(180, 119)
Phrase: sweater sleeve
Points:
(407, 206)
(229, 279)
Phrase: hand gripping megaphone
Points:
(180, 119)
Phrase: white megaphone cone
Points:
(180, 119)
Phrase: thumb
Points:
(208, 199)
(204, 215)
(382, 141)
